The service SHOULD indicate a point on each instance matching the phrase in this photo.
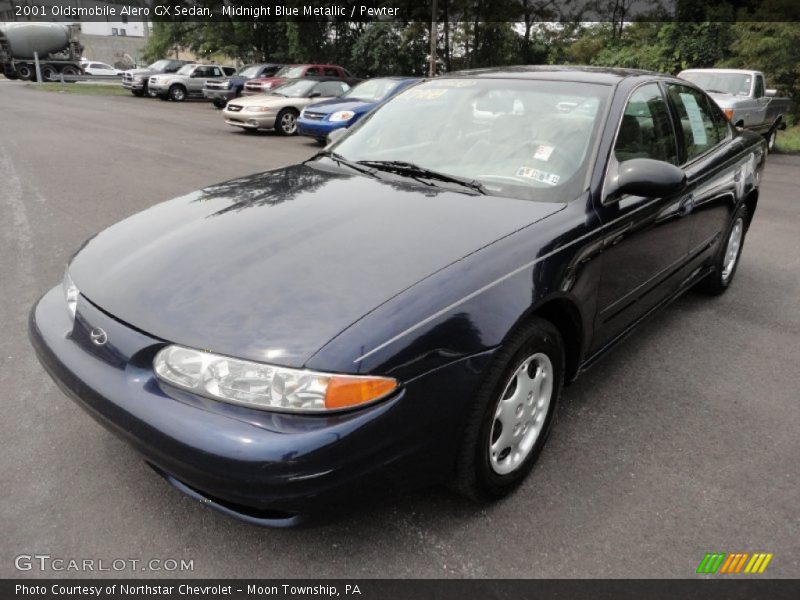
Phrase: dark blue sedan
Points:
(407, 306)
(319, 119)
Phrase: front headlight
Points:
(70, 294)
(266, 387)
(258, 108)
(342, 115)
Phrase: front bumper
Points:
(318, 128)
(261, 467)
(133, 85)
(219, 94)
(249, 120)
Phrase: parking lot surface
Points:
(683, 441)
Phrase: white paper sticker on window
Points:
(695, 119)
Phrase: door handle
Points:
(686, 205)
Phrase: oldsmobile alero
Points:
(407, 305)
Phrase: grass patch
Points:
(83, 89)
(788, 142)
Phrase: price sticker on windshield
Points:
(543, 152)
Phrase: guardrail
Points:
(61, 78)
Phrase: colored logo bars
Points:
(734, 562)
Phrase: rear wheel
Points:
(286, 122)
(26, 73)
(512, 413)
(71, 71)
(177, 93)
(49, 73)
(727, 258)
(772, 137)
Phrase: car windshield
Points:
(295, 89)
(727, 83)
(159, 65)
(249, 72)
(373, 90)
(519, 138)
(186, 70)
(290, 72)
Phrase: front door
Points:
(646, 240)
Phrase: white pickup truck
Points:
(743, 97)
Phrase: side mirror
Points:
(649, 178)
(315, 95)
(770, 93)
(335, 135)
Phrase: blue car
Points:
(318, 120)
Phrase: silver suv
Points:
(189, 81)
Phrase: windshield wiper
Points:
(402, 167)
(719, 92)
(341, 160)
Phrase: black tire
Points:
(71, 70)
(26, 73)
(720, 279)
(771, 137)
(137, 93)
(11, 76)
(49, 73)
(475, 476)
(286, 122)
(219, 102)
(177, 93)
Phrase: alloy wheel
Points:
(521, 413)
(289, 123)
(732, 249)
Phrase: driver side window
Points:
(646, 129)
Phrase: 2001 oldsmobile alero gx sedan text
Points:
(407, 305)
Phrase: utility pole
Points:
(432, 67)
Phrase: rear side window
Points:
(701, 131)
(331, 72)
(312, 71)
(646, 130)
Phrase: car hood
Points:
(725, 100)
(272, 266)
(135, 72)
(270, 100)
(336, 104)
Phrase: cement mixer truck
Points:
(56, 44)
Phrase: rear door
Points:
(713, 163)
(646, 240)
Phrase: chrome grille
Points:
(313, 116)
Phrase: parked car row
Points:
(309, 99)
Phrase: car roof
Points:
(742, 71)
(585, 74)
(317, 78)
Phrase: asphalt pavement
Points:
(684, 440)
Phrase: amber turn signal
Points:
(346, 392)
(728, 113)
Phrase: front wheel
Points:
(137, 93)
(727, 258)
(219, 102)
(513, 410)
(177, 93)
(286, 122)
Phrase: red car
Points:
(264, 84)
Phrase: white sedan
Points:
(98, 68)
